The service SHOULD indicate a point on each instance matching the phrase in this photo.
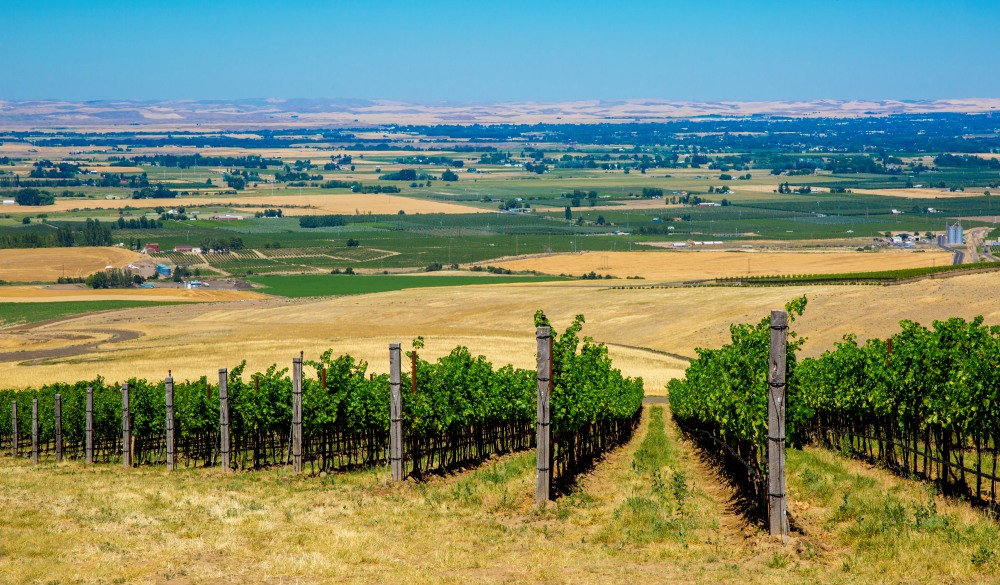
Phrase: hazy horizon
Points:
(457, 52)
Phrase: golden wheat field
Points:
(318, 204)
(699, 265)
(55, 294)
(48, 264)
(641, 326)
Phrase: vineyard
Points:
(925, 403)
(332, 414)
(278, 260)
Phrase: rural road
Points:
(974, 241)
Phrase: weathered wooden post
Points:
(224, 417)
(126, 429)
(34, 430)
(543, 465)
(778, 522)
(395, 413)
(58, 428)
(13, 424)
(168, 384)
(297, 414)
(89, 429)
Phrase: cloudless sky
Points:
(514, 50)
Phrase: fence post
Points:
(89, 430)
(34, 430)
(297, 414)
(126, 429)
(544, 453)
(168, 384)
(778, 521)
(13, 424)
(224, 417)
(58, 428)
(395, 413)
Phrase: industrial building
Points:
(954, 237)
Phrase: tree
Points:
(449, 176)
(31, 196)
(352, 243)
(568, 212)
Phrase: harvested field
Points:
(320, 204)
(44, 294)
(694, 265)
(48, 264)
(495, 321)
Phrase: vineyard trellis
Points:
(460, 410)
(728, 404)
(925, 403)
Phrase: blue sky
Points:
(500, 51)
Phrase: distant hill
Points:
(352, 113)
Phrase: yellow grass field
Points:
(47, 264)
(641, 326)
(697, 265)
(46, 294)
(321, 204)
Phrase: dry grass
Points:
(48, 264)
(697, 265)
(651, 512)
(495, 320)
(52, 294)
(322, 204)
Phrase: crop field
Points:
(58, 294)
(318, 203)
(697, 265)
(48, 264)
(13, 313)
(645, 329)
(337, 284)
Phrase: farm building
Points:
(163, 269)
(183, 248)
(9, 202)
(152, 248)
(227, 217)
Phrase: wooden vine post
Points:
(543, 481)
(224, 416)
(168, 385)
(59, 441)
(126, 429)
(413, 371)
(34, 430)
(89, 427)
(395, 413)
(13, 424)
(297, 414)
(777, 518)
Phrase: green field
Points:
(22, 313)
(342, 284)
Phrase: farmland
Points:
(13, 313)
(47, 264)
(331, 285)
(702, 265)
(440, 237)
